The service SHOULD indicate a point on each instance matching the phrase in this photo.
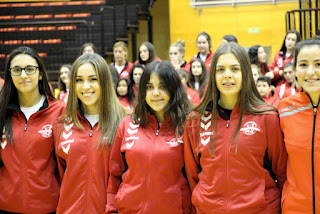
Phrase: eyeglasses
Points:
(30, 69)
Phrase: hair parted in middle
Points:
(203, 79)
(110, 111)
(152, 53)
(249, 101)
(178, 107)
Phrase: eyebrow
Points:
(89, 76)
(231, 65)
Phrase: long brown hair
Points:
(249, 101)
(110, 111)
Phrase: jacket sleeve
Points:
(116, 168)
(61, 163)
(276, 149)
(191, 157)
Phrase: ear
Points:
(40, 76)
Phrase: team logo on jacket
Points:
(46, 131)
(250, 128)
(174, 142)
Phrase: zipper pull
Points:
(228, 123)
(157, 133)
(91, 133)
(25, 127)
(314, 111)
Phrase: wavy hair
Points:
(178, 107)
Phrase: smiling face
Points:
(64, 75)
(88, 88)
(157, 96)
(144, 53)
(26, 85)
(262, 56)
(308, 71)
(122, 88)
(228, 76)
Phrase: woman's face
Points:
(157, 96)
(262, 56)
(291, 41)
(196, 69)
(119, 54)
(144, 53)
(308, 71)
(137, 72)
(88, 49)
(122, 88)
(88, 88)
(203, 45)
(26, 84)
(228, 76)
(175, 54)
(64, 75)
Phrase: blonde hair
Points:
(110, 111)
(180, 44)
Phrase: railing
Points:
(308, 24)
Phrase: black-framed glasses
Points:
(30, 69)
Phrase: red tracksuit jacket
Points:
(235, 182)
(146, 170)
(83, 168)
(28, 183)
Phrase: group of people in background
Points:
(223, 133)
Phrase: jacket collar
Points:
(16, 106)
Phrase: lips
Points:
(228, 84)
(23, 83)
(157, 101)
(311, 80)
(88, 94)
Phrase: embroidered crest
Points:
(250, 128)
(46, 131)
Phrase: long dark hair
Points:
(283, 49)
(253, 54)
(9, 93)
(202, 79)
(250, 101)
(152, 53)
(62, 85)
(131, 96)
(178, 107)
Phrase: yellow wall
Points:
(161, 30)
(186, 23)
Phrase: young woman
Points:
(28, 110)
(84, 135)
(147, 54)
(120, 53)
(146, 163)
(87, 48)
(204, 46)
(125, 94)
(135, 76)
(233, 146)
(259, 58)
(299, 120)
(285, 55)
(64, 82)
(198, 77)
(176, 52)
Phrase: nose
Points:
(227, 74)
(23, 74)
(156, 92)
(310, 70)
(86, 85)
